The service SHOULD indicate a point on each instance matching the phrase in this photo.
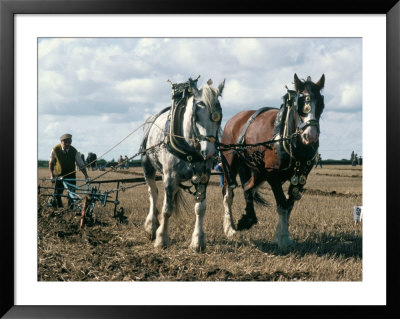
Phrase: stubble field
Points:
(327, 242)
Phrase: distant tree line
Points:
(336, 162)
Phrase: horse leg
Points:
(162, 230)
(198, 238)
(249, 219)
(247, 179)
(284, 208)
(229, 228)
(151, 224)
(227, 194)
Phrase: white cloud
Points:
(340, 134)
(110, 83)
(51, 80)
(351, 95)
(247, 51)
(50, 45)
(147, 47)
(137, 86)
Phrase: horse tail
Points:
(258, 199)
(180, 204)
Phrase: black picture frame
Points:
(8, 8)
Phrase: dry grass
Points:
(328, 245)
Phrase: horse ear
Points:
(193, 87)
(221, 87)
(298, 85)
(321, 82)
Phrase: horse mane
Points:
(209, 95)
(310, 85)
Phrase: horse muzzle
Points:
(309, 135)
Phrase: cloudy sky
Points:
(101, 89)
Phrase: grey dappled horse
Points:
(179, 143)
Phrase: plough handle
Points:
(116, 200)
(105, 196)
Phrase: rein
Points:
(242, 146)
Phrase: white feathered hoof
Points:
(198, 244)
(151, 229)
(229, 232)
(161, 244)
(229, 229)
(162, 240)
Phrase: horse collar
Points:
(174, 140)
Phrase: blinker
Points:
(204, 178)
(215, 116)
(307, 108)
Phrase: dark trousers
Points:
(59, 189)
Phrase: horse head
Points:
(309, 105)
(206, 117)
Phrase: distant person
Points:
(120, 160)
(92, 160)
(352, 159)
(360, 160)
(220, 169)
(63, 158)
(126, 162)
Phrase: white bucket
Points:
(357, 213)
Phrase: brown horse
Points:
(273, 145)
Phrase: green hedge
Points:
(336, 162)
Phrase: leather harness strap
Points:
(241, 137)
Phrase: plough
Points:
(83, 198)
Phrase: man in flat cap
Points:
(63, 158)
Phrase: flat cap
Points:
(65, 136)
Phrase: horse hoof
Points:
(284, 243)
(151, 230)
(246, 222)
(230, 233)
(198, 248)
(151, 234)
(160, 245)
(161, 242)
